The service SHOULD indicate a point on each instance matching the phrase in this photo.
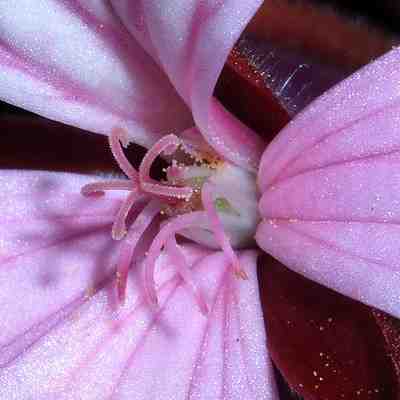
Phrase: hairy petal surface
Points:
(339, 126)
(63, 335)
(52, 242)
(75, 62)
(191, 41)
(331, 188)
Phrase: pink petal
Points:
(336, 121)
(75, 62)
(331, 188)
(191, 40)
(48, 231)
(63, 335)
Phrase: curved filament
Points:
(119, 227)
(128, 246)
(172, 227)
(179, 260)
(207, 197)
(167, 145)
(120, 135)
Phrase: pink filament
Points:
(168, 144)
(119, 135)
(169, 229)
(140, 186)
(174, 171)
(128, 246)
(119, 227)
(179, 260)
(207, 197)
(101, 187)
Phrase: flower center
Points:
(203, 198)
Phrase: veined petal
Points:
(331, 188)
(48, 232)
(75, 62)
(191, 40)
(63, 334)
(339, 126)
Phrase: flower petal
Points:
(331, 188)
(74, 61)
(192, 40)
(62, 334)
(337, 121)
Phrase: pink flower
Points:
(329, 205)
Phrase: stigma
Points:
(203, 198)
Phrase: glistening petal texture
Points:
(75, 62)
(54, 247)
(331, 129)
(191, 40)
(63, 334)
(331, 188)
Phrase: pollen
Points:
(195, 200)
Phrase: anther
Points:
(167, 145)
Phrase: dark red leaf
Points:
(327, 346)
(243, 91)
(321, 31)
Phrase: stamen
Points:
(169, 229)
(175, 171)
(193, 143)
(142, 187)
(207, 197)
(128, 246)
(100, 187)
(167, 145)
(179, 261)
(167, 191)
(119, 227)
(119, 135)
